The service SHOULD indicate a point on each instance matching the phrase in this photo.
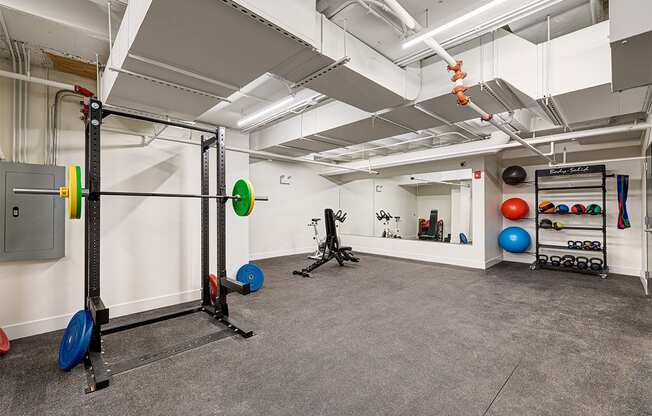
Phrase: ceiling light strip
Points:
(479, 30)
(430, 33)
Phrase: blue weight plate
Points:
(252, 274)
(76, 340)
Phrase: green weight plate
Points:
(243, 204)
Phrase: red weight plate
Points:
(215, 289)
(4, 342)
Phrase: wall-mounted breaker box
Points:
(33, 226)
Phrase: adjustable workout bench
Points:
(332, 250)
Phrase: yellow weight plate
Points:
(74, 192)
(253, 198)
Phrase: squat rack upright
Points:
(98, 372)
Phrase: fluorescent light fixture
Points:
(454, 22)
(265, 111)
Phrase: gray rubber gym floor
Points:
(384, 337)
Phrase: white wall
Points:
(280, 227)
(623, 246)
(150, 247)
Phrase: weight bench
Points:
(332, 249)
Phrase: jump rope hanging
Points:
(623, 187)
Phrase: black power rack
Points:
(97, 370)
(589, 171)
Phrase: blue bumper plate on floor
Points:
(76, 340)
(252, 274)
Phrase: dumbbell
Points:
(596, 264)
(582, 262)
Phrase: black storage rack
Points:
(572, 173)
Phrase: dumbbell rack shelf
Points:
(569, 174)
(561, 247)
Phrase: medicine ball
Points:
(546, 207)
(594, 209)
(514, 175)
(562, 209)
(557, 225)
(578, 209)
(514, 208)
(514, 239)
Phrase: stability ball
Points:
(514, 239)
(514, 175)
(514, 208)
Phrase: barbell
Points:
(242, 196)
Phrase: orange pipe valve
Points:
(461, 98)
(457, 71)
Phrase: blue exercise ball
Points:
(514, 239)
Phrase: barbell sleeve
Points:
(36, 191)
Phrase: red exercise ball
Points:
(514, 208)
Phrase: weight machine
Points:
(97, 370)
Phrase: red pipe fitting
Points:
(83, 91)
(487, 117)
(461, 98)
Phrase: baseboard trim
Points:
(54, 323)
(281, 253)
(492, 262)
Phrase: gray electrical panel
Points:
(33, 226)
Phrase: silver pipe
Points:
(26, 101)
(19, 106)
(13, 87)
(108, 6)
(58, 97)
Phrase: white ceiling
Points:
(80, 28)
(566, 16)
